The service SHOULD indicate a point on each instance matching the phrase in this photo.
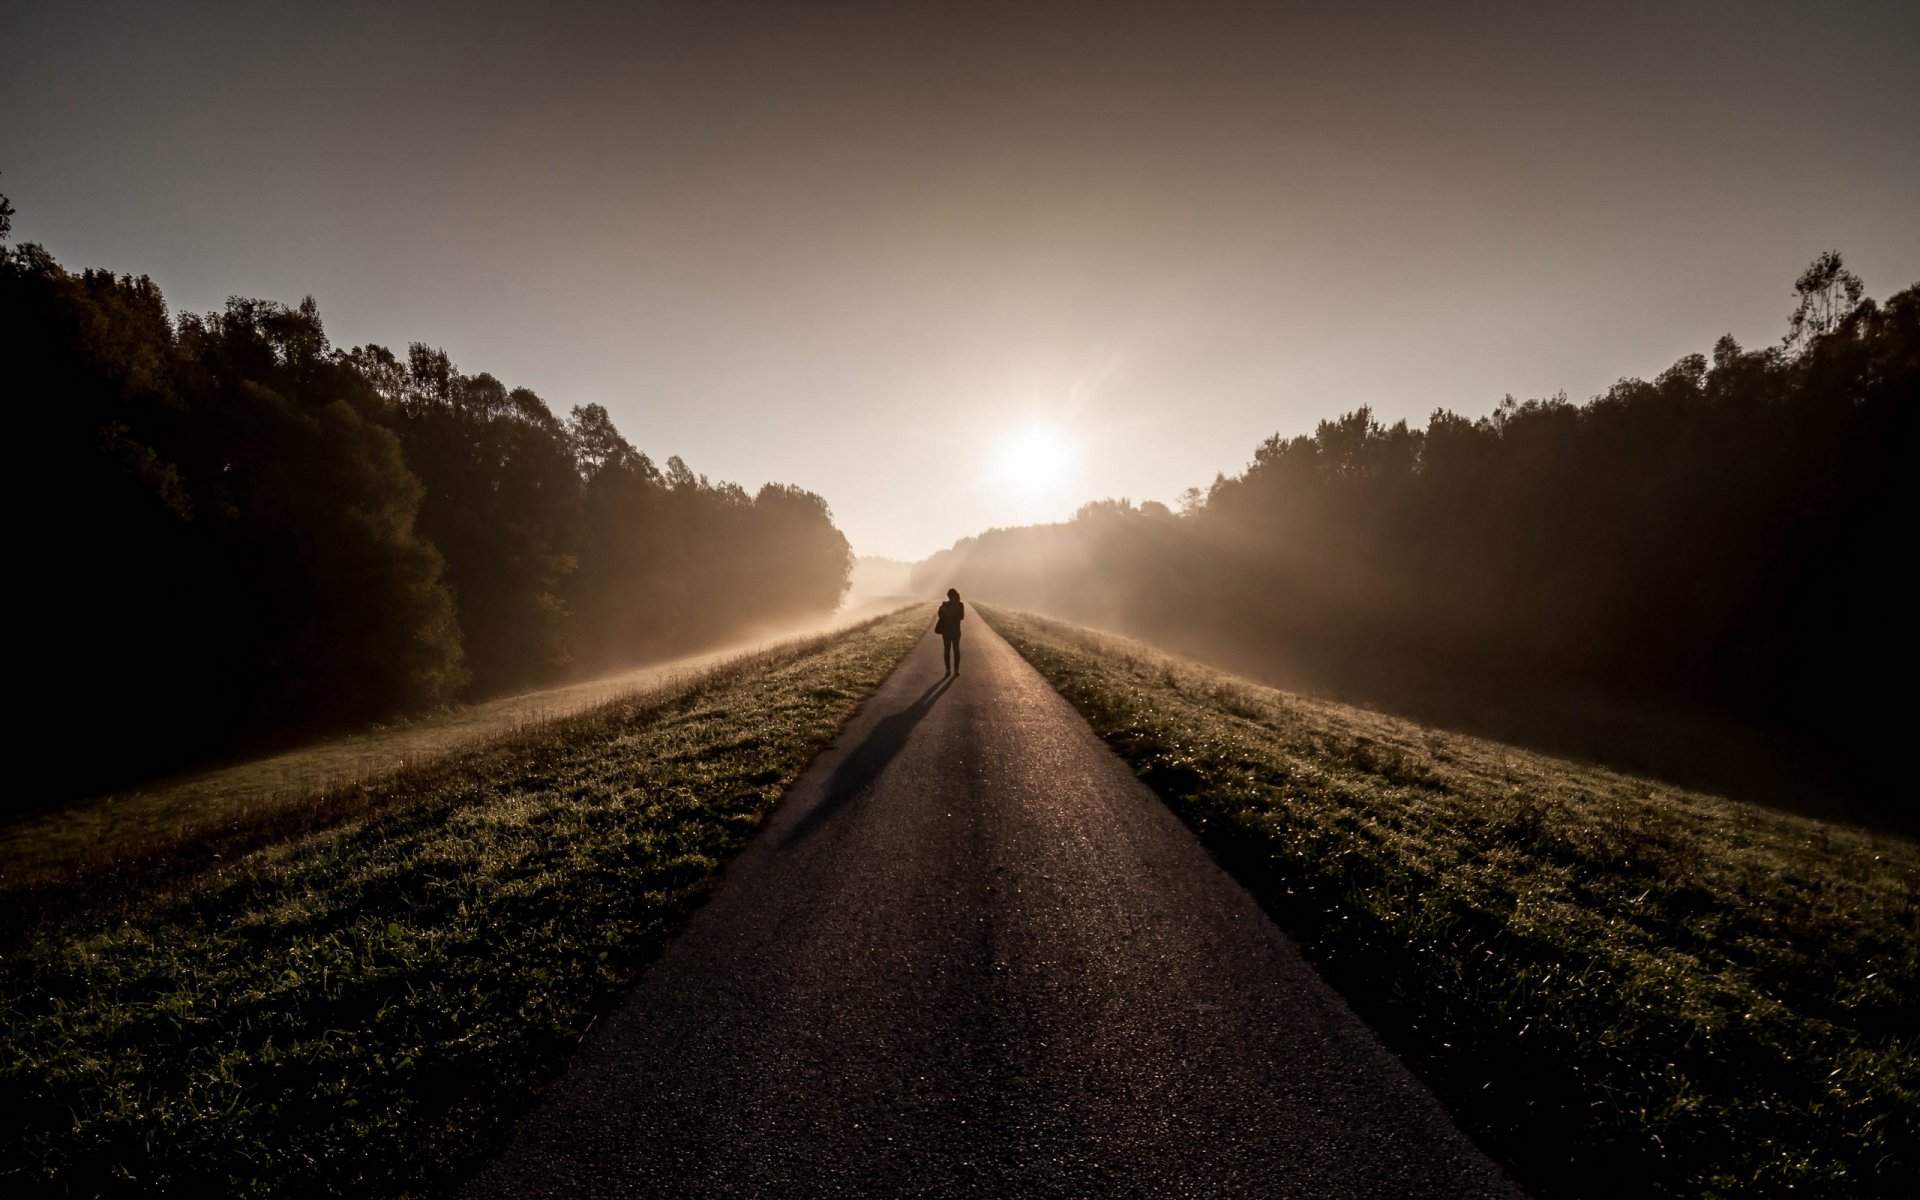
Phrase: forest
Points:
(244, 535)
(1727, 536)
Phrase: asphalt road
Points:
(971, 955)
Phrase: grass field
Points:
(156, 821)
(1622, 988)
(356, 1010)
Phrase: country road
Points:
(971, 955)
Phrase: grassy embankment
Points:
(168, 823)
(353, 1011)
(1623, 988)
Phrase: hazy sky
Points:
(865, 247)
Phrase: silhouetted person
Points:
(948, 627)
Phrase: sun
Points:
(1036, 459)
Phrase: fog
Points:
(858, 247)
(1689, 576)
(256, 536)
(630, 325)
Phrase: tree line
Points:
(246, 534)
(1732, 533)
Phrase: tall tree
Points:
(1827, 291)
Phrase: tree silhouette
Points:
(245, 535)
(1827, 291)
(1724, 536)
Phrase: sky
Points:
(955, 266)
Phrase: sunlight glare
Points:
(1037, 459)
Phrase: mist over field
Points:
(874, 577)
(1694, 576)
(796, 600)
(264, 537)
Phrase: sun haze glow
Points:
(1037, 460)
(846, 246)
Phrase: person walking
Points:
(948, 627)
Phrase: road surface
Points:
(971, 955)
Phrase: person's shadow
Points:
(864, 763)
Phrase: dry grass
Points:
(1623, 987)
